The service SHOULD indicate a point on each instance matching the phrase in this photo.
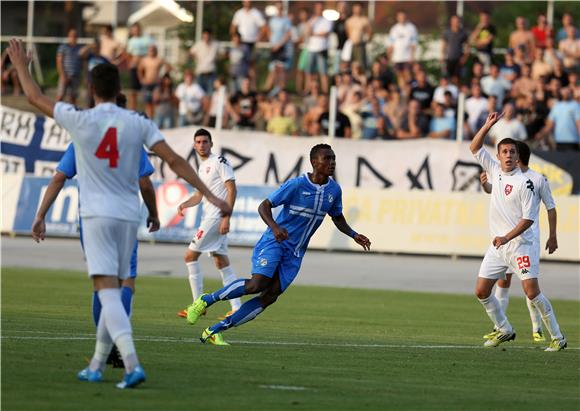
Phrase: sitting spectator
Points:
(559, 74)
(239, 62)
(374, 123)
(490, 108)
(541, 31)
(350, 108)
(264, 110)
(381, 71)
(281, 122)
(440, 125)
(475, 106)
(9, 75)
(164, 99)
(395, 106)
(444, 86)
(509, 70)
(311, 99)
(205, 52)
(525, 85)
(508, 126)
(476, 71)
(551, 54)
(244, 107)
(193, 102)
(540, 69)
(523, 39)
(495, 85)
(415, 123)
(69, 66)
(341, 125)
(310, 119)
(455, 51)
(521, 57)
(570, 49)
(449, 106)
(283, 98)
(564, 121)
(421, 90)
(358, 74)
(347, 87)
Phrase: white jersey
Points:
(542, 194)
(108, 141)
(214, 172)
(512, 198)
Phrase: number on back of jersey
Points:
(107, 149)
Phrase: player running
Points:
(512, 212)
(277, 257)
(211, 236)
(544, 194)
(108, 142)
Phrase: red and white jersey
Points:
(512, 198)
(542, 194)
(214, 172)
(108, 141)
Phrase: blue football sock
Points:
(127, 299)
(234, 289)
(96, 308)
(247, 312)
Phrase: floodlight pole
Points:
(199, 21)
(332, 112)
(221, 104)
(460, 117)
(30, 25)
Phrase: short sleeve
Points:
(576, 112)
(336, 208)
(546, 194)
(284, 193)
(260, 22)
(552, 115)
(67, 164)
(225, 169)
(145, 166)
(236, 18)
(152, 133)
(486, 161)
(527, 196)
(67, 116)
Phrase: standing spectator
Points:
(193, 103)
(90, 53)
(509, 70)
(495, 85)
(521, 57)
(137, 47)
(564, 121)
(149, 74)
(541, 31)
(249, 22)
(163, 99)
(523, 38)
(239, 62)
(455, 51)
(215, 102)
(359, 32)
(422, 90)
(415, 123)
(445, 86)
(302, 43)
(204, 52)
(440, 125)
(570, 49)
(508, 126)
(109, 48)
(403, 40)
(482, 39)
(69, 66)
(280, 35)
(567, 21)
(339, 29)
(551, 54)
(540, 68)
(244, 105)
(319, 29)
(524, 86)
(559, 74)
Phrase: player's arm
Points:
(484, 182)
(478, 139)
(552, 243)
(38, 226)
(522, 226)
(340, 223)
(148, 194)
(265, 211)
(526, 220)
(20, 62)
(231, 200)
(184, 170)
(190, 202)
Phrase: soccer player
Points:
(108, 142)
(511, 213)
(277, 257)
(542, 193)
(211, 236)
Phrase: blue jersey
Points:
(305, 205)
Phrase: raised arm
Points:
(340, 223)
(477, 141)
(148, 194)
(38, 226)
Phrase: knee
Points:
(481, 293)
(254, 287)
(189, 256)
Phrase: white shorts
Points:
(207, 238)
(108, 245)
(519, 258)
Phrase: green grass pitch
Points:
(315, 349)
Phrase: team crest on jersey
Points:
(263, 262)
(508, 189)
(330, 198)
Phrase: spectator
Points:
(541, 31)
(193, 102)
(264, 108)
(359, 32)
(110, 48)
(302, 42)
(244, 107)
(280, 36)
(358, 74)
(540, 69)
(455, 51)
(351, 108)
(346, 87)
(374, 123)
(164, 102)
(564, 121)
(440, 125)
(509, 70)
(520, 56)
(422, 91)
(523, 38)
(415, 123)
(69, 66)
(90, 53)
(249, 22)
(482, 39)
(445, 86)
(381, 71)
(403, 40)
(550, 54)
(149, 74)
(319, 29)
(215, 104)
(567, 21)
(9, 75)
(508, 126)
(137, 47)
(282, 122)
(490, 108)
(495, 85)
(339, 29)
(239, 62)
(477, 71)
(310, 124)
(524, 86)
(559, 74)
(395, 107)
(311, 99)
(342, 127)
(205, 52)
(570, 49)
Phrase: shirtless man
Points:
(359, 31)
(136, 50)
(523, 37)
(149, 74)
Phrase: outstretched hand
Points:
(363, 241)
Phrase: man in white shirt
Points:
(402, 43)
(475, 106)
(108, 142)
(193, 102)
(319, 29)
(508, 126)
(211, 235)
(512, 212)
(205, 53)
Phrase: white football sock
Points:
(118, 325)
(229, 276)
(195, 279)
(543, 305)
(535, 316)
(102, 348)
(496, 314)
(503, 297)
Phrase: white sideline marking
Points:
(150, 338)
(284, 387)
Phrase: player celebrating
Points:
(218, 175)
(278, 255)
(542, 193)
(108, 142)
(511, 213)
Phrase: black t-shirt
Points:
(341, 124)
(422, 123)
(339, 28)
(248, 105)
(423, 94)
(455, 41)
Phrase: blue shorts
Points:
(270, 257)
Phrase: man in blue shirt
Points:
(277, 257)
(564, 121)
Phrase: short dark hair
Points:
(314, 151)
(121, 100)
(106, 81)
(508, 141)
(202, 132)
(524, 152)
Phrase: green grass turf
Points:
(39, 372)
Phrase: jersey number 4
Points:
(108, 148)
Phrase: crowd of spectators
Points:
(388, 96)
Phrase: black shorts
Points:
(134, 83)
(280, 55)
